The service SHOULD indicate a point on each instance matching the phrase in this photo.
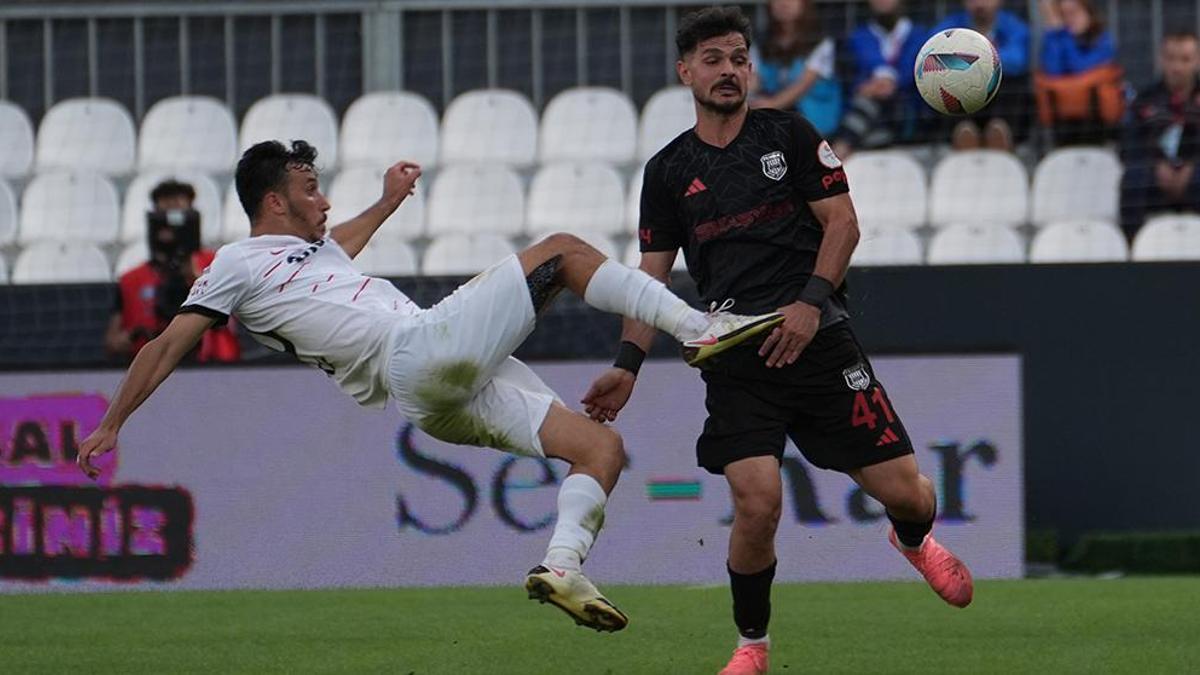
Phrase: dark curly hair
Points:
(263, 168)
(709, 23)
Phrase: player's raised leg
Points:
(911, 504)
(564, 260)
(596, 454)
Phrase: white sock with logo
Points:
(581, 503)
(632, 293)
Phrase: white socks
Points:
(633, 293)
(580, 516)
(764, 640)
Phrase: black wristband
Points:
(629, 357)
(816, 291)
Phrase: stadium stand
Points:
(981, 187)
(889, 189)
(137, 203)
(1079, 242)
(589, 124)
(77, 206)
(576, 197)
(1076, 183)
(477, 198)
(633, 203)
(289, 117)
(465, 253)
(45, 262)
(9, 216)
(234, 223)
(975, 245)
(95, 134)
(3, 270)
(188, 133)
(1169, 237)
(353, 190)
(387, 258)
(134, 254)
(668, 113)
(16, 137)
(886, 246)
(382, 127)
(490, 125)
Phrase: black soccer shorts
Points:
(828, 402)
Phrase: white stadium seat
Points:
(131, 256)
(235, 225)
(387, 258)
(95, 134)
(382, 128)
(53, 262)
(69, 206)
(3, 270)
(889, 189)
(188, 132)
(16, 137)
(576, 196)
(633, 202)
(293, 117)
(599, 240)
(976, 245)
(8, 214)
(489, 125)
(1174, 237)
(980, 187)
(879, 246)
(476, 198)
(589, 124)
(353, 190)
(668, 113)
(137, 203)
(455, 254)
(633, 257)
(1076, 184)
(1082, 241)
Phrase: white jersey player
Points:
(448, 368)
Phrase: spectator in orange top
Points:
(148, 295)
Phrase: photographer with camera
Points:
(149, 295)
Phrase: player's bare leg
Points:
(757, 493)
(597, 455)
(911, 504)
(565, 260)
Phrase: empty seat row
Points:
(200, 133)
(984, 188)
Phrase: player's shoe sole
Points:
(696, 351)
(571, 592)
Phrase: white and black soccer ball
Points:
(958, 72)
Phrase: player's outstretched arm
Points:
(150, 367)
(609, 393)
(398, 182)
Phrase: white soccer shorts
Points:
(452, 373)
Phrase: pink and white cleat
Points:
(748, 660)
(945, 573)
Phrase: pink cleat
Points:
(946, 574)
(748, 660)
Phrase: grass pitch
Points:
(1144, 626)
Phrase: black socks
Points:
(912, 535)
(752, 601)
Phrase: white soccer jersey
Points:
(307, 299)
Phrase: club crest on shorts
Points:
(857, 378)
(773, 164)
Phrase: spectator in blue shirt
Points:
(884, 104)
(1007, 118)
(794, 67)
(1075, 40)
(1078, 64)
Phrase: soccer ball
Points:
(958, 72)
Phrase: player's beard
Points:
(722, 107)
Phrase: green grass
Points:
(1144, 626)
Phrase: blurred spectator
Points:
(1006, 120)
(884, 105)
(149, 294)
(794, 66)
(1160, 145)
(1080, 87)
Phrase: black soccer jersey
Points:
(741, 214)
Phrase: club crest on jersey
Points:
(857, 378)
(773, 164)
